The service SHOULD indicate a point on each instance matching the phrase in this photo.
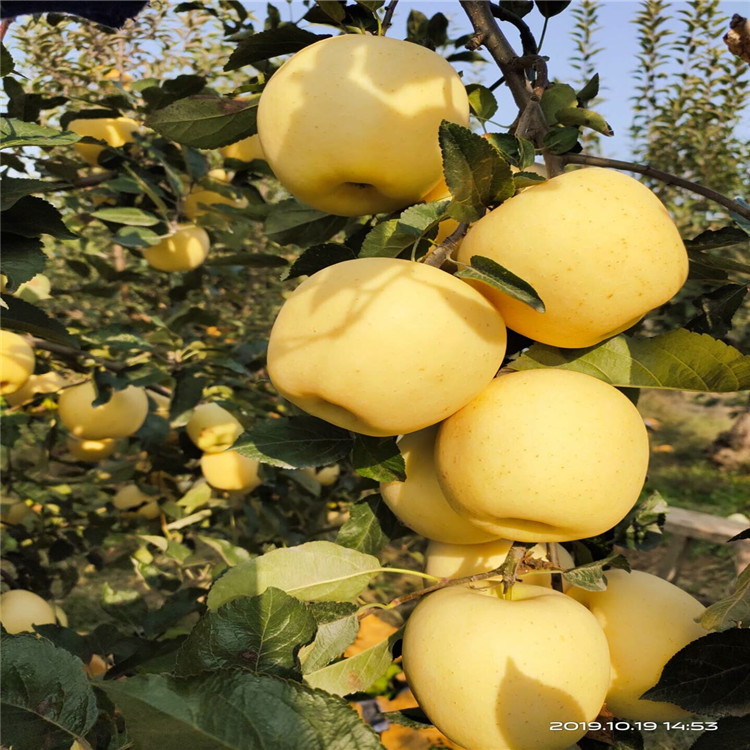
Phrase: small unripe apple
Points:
(247, 149)
(383, 346)
(544, 456)
(230, 471)
(183, 250)
(349, 125)
(598, 246)
(115, 131)
(493, 673)
(20, 610)
(121, 416)
(458, 560)
(46, 382)
(16, 362)
(212, 428)
(646, 620)
(13, 512)
(90, 450)
(419, 502)
(134, 501)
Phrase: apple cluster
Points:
(391, 347)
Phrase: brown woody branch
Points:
(666, 177)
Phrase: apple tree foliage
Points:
(233, 636)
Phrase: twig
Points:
(439, 254)
(390, 8)
(90, 181)
(527, 38)
(666, 177)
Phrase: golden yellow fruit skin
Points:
(349, 125)
(121, 416)
(598, 246)
(90, 450)
(544, 456)
(646, 620)
(419, 502)
(247, 149)
(60, 615)
(212, 428)
(21, 609)
(491, 674)
(230, 471)
(458, 560)
(383, 346)
(47, 382)
(115, 131)
(132, 498)
(326, 476)
(17, 362)
(184, 250)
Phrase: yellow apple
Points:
(383, 346)
(247, 149)
(191, 206)
(231, 471)
(20, 610)
(544, 456)
(16, 362)
(134, 501)
(646, 620)
(325, 476)
(419, 502)
(212, 428)
(599, 248)
(121, 416)
(47, 382)
(13, 511)
(349, 125)
(115, 131)
(60, 615)
(458, 560)
(494, 673)
(90, 450)
(183, 250)
(35, 289)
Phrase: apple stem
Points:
(666, 177)
(439, 254)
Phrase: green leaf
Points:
(356, 673)
(557, 97)
(590, 90)
(15, 133)
(516, 151)
(414, 718)
(134, 217)
(733, 610)
(22, 258)
(584, 118)
(390, 238)
(591, 576)
(235, 711)
(318, 257)
(371, 526)
(550, 8)
(13, 189)
(136, 237)
(489, 272)
(719, 239)
(337, 629)
(260, 634)
(560, 140)
(710, 676)
(46, 699)
(295, 442)
(248, 260)
(482, 101)
(314, 571)
(678, 360)
(642, 527)
(6, 61)
(476, 174)
(717, 307)
(230, 553)
(25, 318)
(290, 222)
(731, 733)
(205, 121)
(378, 458)
(30, 217)
(284, 40)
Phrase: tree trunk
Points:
(731, 449)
